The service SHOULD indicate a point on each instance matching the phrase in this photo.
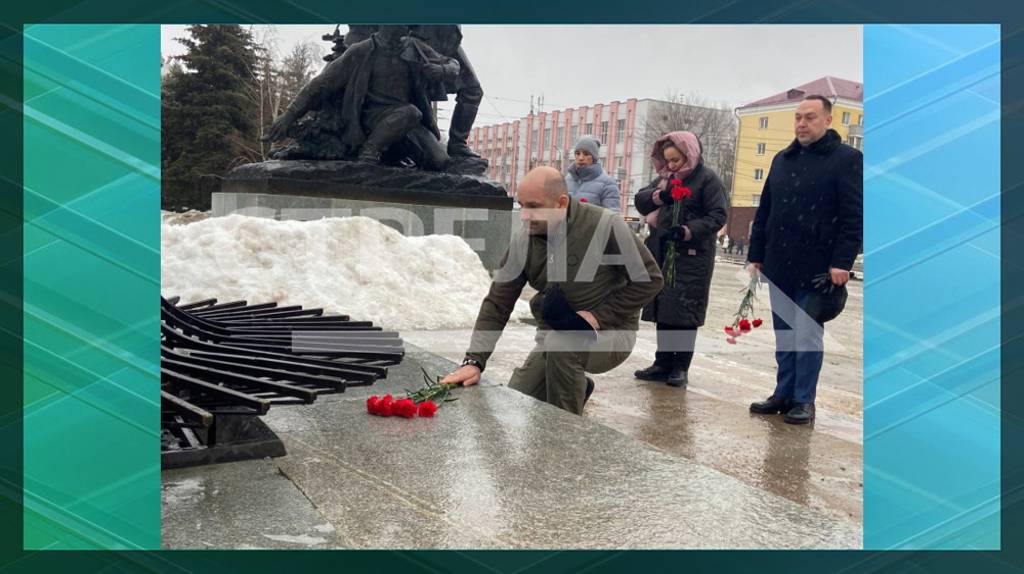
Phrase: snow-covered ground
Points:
(353, 265)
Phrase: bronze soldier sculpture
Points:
(468, 94)
(372, 100)
(446, 40)
(341, 42)
(337, 40)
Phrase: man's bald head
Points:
(543, 181)
(543, 196)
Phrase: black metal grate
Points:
(223, 365)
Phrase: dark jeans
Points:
(675, 346)
(799, 345)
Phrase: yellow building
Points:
(766, 128)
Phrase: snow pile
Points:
(351, 265)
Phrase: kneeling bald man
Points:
(593, 277)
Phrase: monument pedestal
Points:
(411, 201)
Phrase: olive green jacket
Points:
(599, 263)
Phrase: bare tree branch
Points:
(715, 126)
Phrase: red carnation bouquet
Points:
(679, 193)
(423, 402)
(743, 323)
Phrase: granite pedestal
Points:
(413, 202)
(493, 469)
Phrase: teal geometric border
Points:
(91, 281)
(932, 295)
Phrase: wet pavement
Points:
(709, 423)
(495, 469)
(242, 505)
(647, 466)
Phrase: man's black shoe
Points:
(589, 391)
(677, 378)
(655, 372)
(770, 406)
(800, 414)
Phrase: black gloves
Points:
(560, 316)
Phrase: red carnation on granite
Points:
(427, 408)
(757, 323)
(744, 325)
(384, 408)
(404, 408)
(423, 402)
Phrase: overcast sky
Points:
(576, 65)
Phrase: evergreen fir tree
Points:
(209, 118)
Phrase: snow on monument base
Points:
(353, 265)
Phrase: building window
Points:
(846, 118)
(860, 120)
(856, 142)
(535, 138)
(589, 129)
(604, 132)
(760, 149)
(756, 199)
(547, 138)
(620, 130)
(572, 140)
(764, 123)
(758, 174)
(560, 137)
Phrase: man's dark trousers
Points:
(799, 345)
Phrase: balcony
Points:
(856, 137)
